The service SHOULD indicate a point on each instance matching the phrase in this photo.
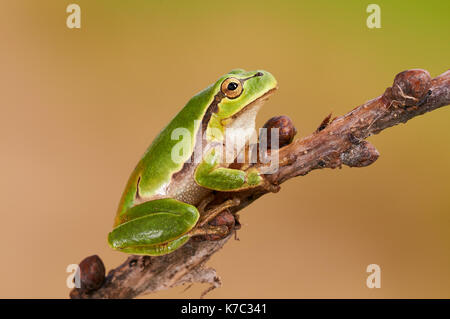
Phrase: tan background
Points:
(79, 107)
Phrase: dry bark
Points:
(336, 142)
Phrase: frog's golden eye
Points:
(232, 88)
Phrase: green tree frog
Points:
(163, 202)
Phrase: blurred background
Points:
(80, 106)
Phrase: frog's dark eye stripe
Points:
(231, 88)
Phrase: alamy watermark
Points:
(374, 279)
(374, 19)
(232, 145)
(73, 20)
(73, 279)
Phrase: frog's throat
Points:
(243, 123)
(255, 104)
(213, 107)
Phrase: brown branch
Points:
(336, 142)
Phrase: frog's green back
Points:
(156, 167)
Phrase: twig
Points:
(336, 142)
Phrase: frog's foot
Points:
(210, 232)
(201, 207)
(212, 213)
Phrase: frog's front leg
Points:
(211, 175)
(155, 228)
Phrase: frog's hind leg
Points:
(217, 222)
(155, 228)
(157, 250)
(218, 228)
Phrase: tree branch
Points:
(336, 142)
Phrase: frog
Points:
(163, 204)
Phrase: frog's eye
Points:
(232, 88)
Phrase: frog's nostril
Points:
(259, 74)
